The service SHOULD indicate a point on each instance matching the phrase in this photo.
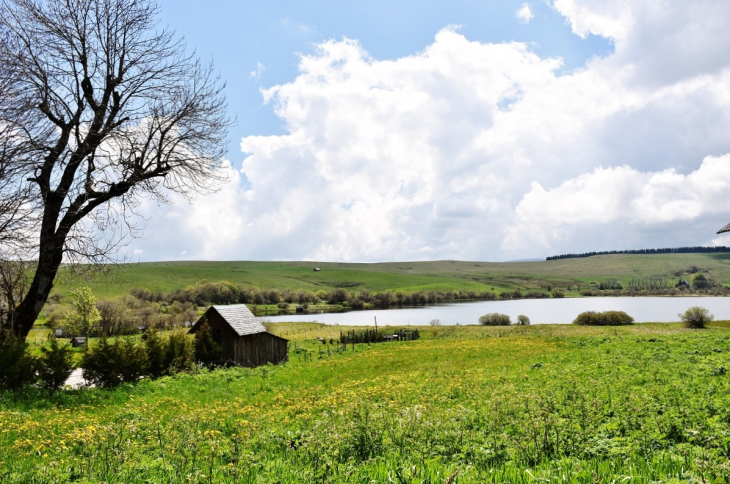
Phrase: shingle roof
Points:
(241, 319)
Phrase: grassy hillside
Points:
(646, 403)
(407, 276)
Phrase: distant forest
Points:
(675, 250)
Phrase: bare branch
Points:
(102, 108)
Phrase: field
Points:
(645, 403)
(407, 276)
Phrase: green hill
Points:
(407, 276)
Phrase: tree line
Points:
(658, 286)
(671, 250)
(222, 292)
(80, 314)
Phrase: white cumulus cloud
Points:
(484, 151)
(524, 14)
(608, 198)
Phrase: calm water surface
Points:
(540, 311)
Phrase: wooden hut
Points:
(78, 341)
(243, 338)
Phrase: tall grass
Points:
(523, 404)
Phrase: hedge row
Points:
(107, 363)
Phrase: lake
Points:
(540, 311)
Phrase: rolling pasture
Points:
(406, 276)
(644, 403)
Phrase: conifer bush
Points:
(207, 350)
(156, 350)
(167, 355)
(17, 366)
(107, 364)
(56, 364)
(180, 352)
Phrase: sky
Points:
(493, 130)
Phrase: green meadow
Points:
(569, 274)
(642, 403)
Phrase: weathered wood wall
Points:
(257, 349)
(217, 323)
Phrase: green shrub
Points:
(56, 363)
(558, 293)
(588, 318)
(156, 351)
(207, 350)
(133, 360)
(17, 366)
(699, 281)
(108, 364)
(696, 317)
(605, 318)
(180, 352)
(56, 317)
(495, 319)
(523, 320)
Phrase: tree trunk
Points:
(50, 257)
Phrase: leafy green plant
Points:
(56, 363)
(85, 316)
(523, 320)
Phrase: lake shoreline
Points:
(329, 309)
(540, 311)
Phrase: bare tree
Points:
(17, 214)
(14, 282)
(16, 200)
(107, 108)
(18, 218)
